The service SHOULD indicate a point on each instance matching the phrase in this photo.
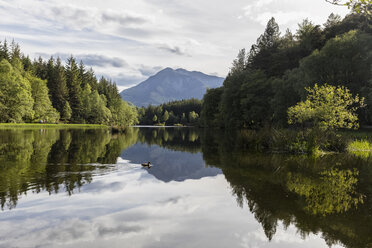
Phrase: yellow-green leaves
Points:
(15, 98)
(327, 107)
(358, 6)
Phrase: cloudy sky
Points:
(129, 40)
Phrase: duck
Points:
(148, 164)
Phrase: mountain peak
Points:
(169, 85)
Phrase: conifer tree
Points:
(57, 84)
(74, 88)
(4, 51)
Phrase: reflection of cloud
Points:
(99, 186)
(120, 229)
(146, 213)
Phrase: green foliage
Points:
(360, 148)
(43, 91)
(15, 95)
(358, 6)
(211, 109)
(66, 112)
(166, 116)
(43, 108)
(360, 145)
(155, 118)
(327, 107)
(171, 113)
(333, 192)
(74, 89)
(262, 85)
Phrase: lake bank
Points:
(44, 126)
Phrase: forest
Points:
(42, 91)
(266, 81)
(183, 112)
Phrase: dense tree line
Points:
(263, 83)
(185, 112)
(48, 91)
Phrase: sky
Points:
(128, 41)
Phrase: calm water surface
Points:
(87, 188)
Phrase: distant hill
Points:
(169, 85)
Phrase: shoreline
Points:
(43, 125)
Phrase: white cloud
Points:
(196, 35)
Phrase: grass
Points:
(360, 148)
(360, 145)
(43, 125)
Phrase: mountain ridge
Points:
(170, 85)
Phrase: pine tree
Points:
(15, 52)
(74, 88)
(66, 112)
(4, 51)
(57, 84)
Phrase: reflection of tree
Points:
(332, 192)
(178, 139)
(53, 159)
(23, 159)
(321, 195)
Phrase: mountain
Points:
(169, 85)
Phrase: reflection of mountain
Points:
(170, 165)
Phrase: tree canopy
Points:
(47, 91)
(327, 107)
(263, 84)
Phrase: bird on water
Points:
(148, 164)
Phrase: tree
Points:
(327, 107)
(210, 108)
(66, 112)
(193, 117)
(155, 119)
(239, 63)
(261, 54)
(56, 80)
(43, 108)
(74, 88)
(358, 6)
(4, 51)
(15, 95)
(332, 20)
(183, 118)
(165, 116)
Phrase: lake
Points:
(87, 188)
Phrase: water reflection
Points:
(118, 199)
(54, 160)
(326, 194)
